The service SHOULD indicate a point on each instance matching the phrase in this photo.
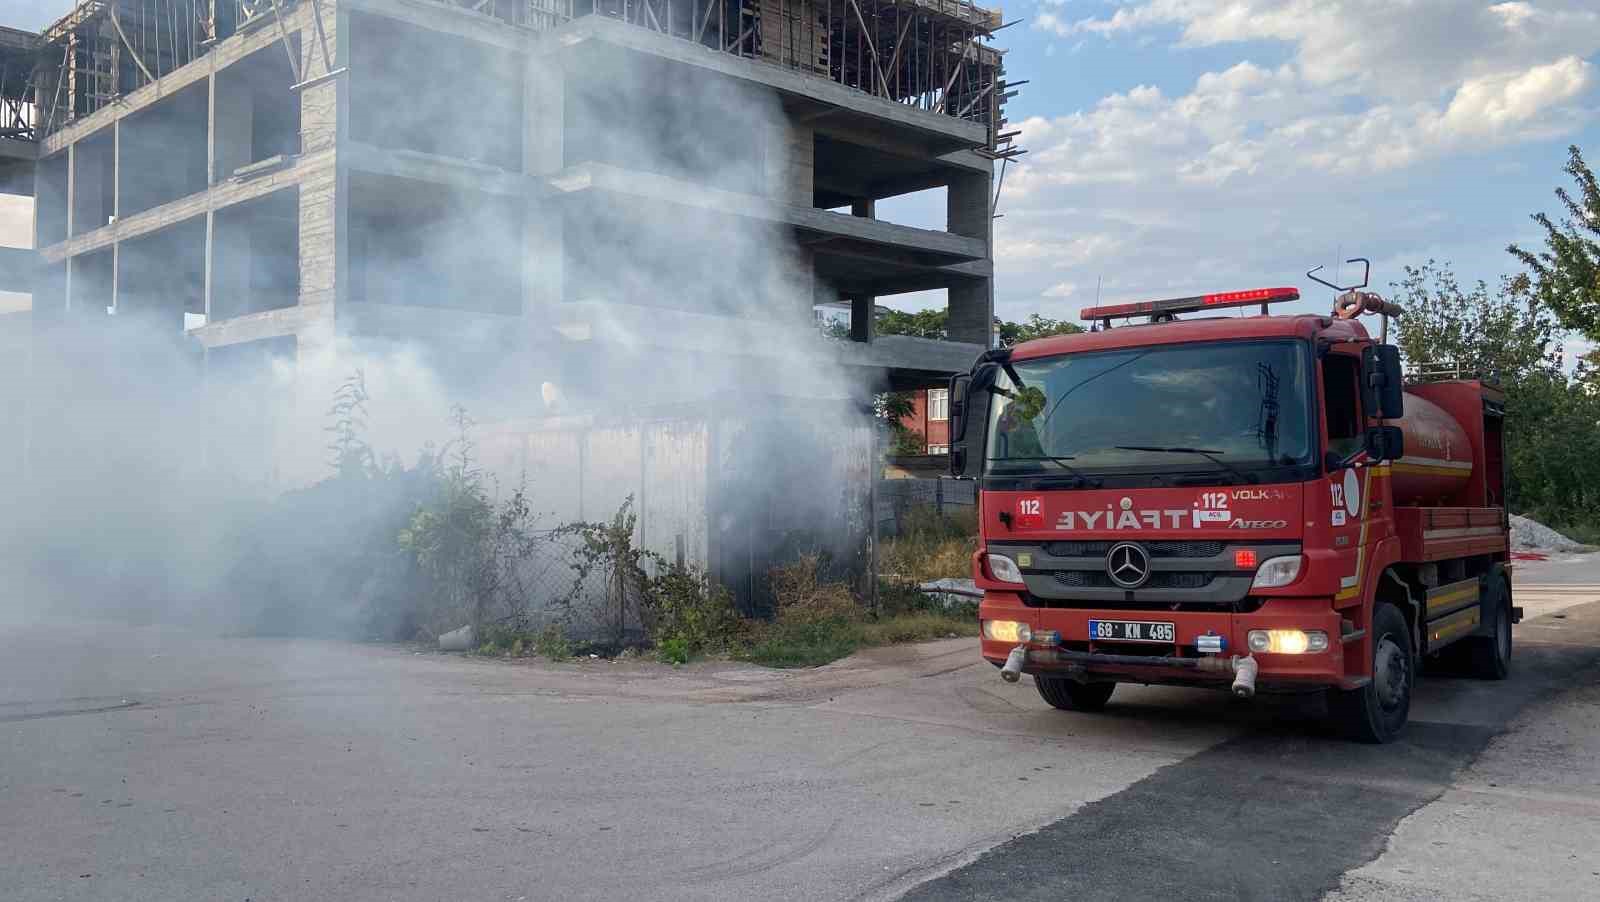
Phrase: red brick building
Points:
(930, 418)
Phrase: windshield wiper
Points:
(1062, 463)
(1213, 456)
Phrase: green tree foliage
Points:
(893, 408)
(935, 324)
(1508, 333)
(921, 324)
(1035, 326)
(1567, 272)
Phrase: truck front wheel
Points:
(1377, 711)
(1071, 695)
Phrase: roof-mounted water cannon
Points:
(1168, 310)
(1352, 301)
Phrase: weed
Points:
(800, 644)
(552, 643)
(930, 546)
(682, 606)
(673, 651)
(804, 598)
(917, 628)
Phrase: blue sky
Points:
(1183, 146)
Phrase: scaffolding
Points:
(104, 49)
(17, 89)
(934, 55)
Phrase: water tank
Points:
(1437, 463)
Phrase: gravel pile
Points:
(1532, 534)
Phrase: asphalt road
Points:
(158, 764)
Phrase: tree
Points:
(1508, 333)
(893, 408)
(921, 324)
(1567, 273)
(1035, 326)
(935, 324)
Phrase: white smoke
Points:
(146, 471)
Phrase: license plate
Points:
(1131, 631)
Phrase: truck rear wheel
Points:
(1377, 712)
(1490, 656)
(1071, 695)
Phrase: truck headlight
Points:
(1288, 642)
(1007, 631)
(1004, 569)
(1277, 572)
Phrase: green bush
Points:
(683, 608)
(673, 651)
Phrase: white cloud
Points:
(1253, 172)
(1075, 251)
(1397, 50)
(1492, 105)
(1256, 172)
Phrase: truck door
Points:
(1348, 488)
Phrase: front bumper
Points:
(1181, 663)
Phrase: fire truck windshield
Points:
(1229, 408)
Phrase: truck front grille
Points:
(1097, 579)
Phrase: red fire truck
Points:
(1253, 503)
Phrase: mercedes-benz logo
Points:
(1128, 565)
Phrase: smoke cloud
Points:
(640, 324)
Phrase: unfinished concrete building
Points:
(280, 172)
(633, 181)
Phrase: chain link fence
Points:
(953, 499)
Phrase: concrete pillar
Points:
(116, 168)
(543, 225)
(72, 189)
(863, 324)
(792, 163)
(798, 277)
(971, 301)
(72, 165)
(325, 193)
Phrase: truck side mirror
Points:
(1392, 396)
(1385, 443)
(959, 385)
(969, 417)
(1382, 383)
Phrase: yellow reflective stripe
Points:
(1354, 587)
(1454, 625)
(1431, 469)
(1453, 596)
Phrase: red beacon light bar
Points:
(1161, 311)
